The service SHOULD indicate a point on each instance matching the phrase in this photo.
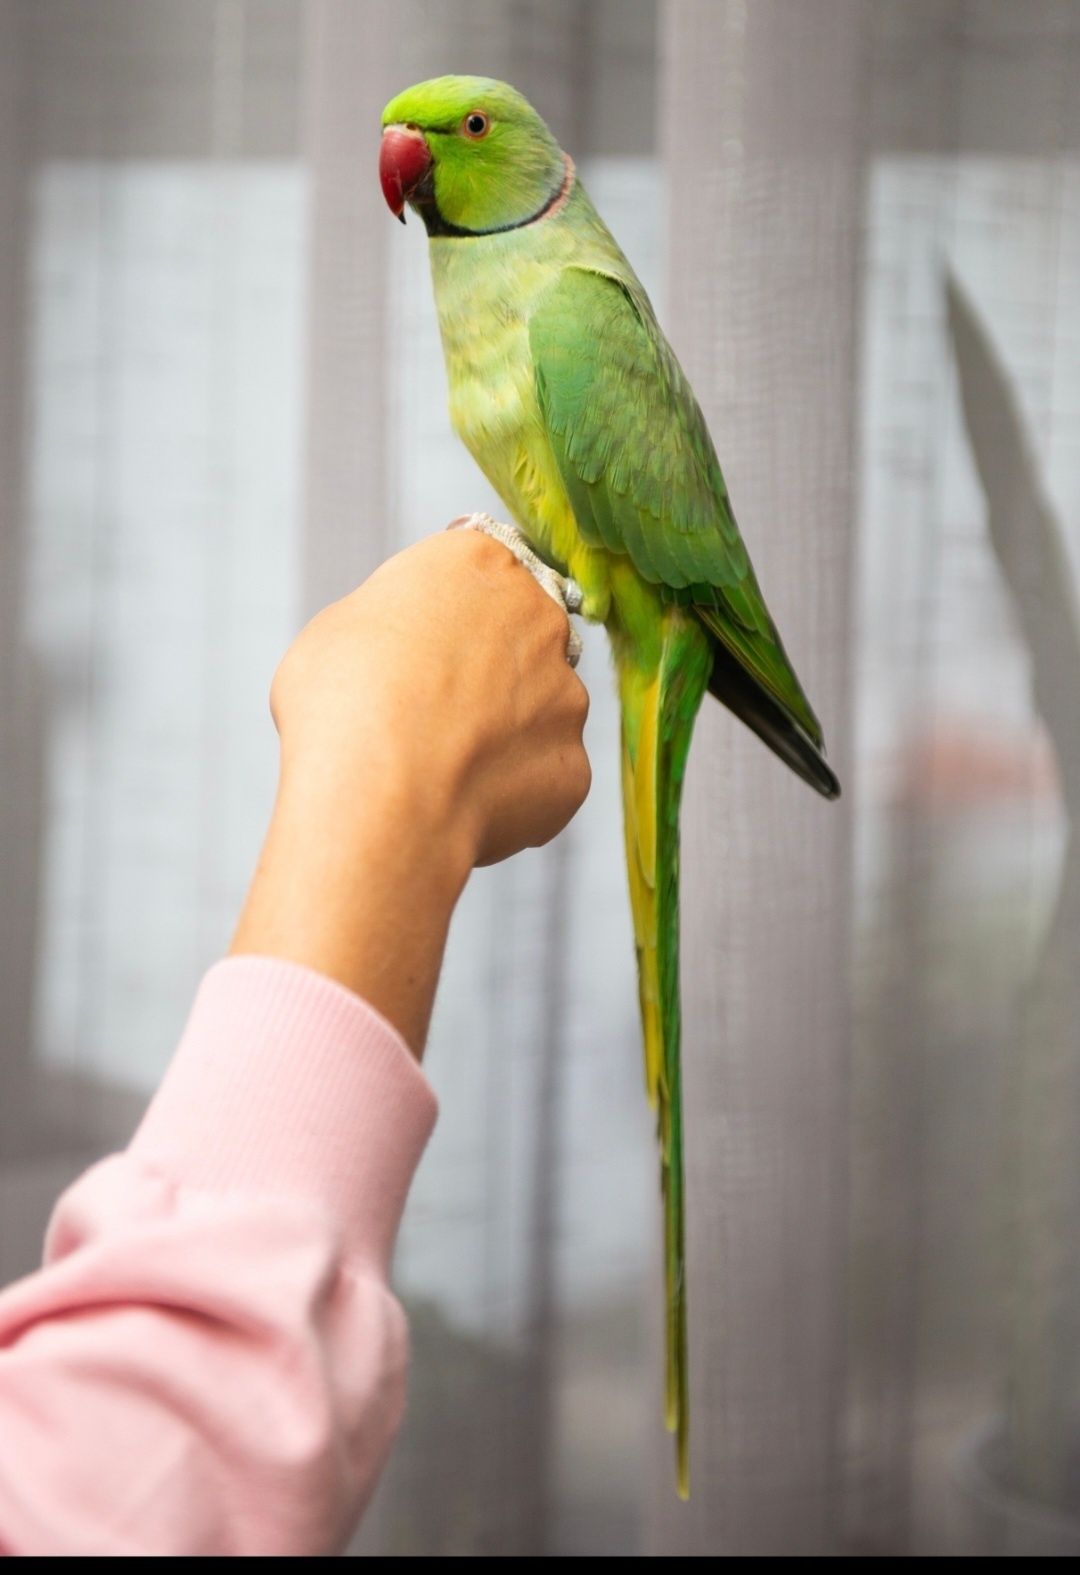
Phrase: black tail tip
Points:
(826, 780)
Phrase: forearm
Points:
(428, 722)
(359, 884)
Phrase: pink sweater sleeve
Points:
(211, 1360)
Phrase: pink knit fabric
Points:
(211, 1360)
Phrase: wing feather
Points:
(641, 471)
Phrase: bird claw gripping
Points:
(566, 592)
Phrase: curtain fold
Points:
(348, 60)
(764, 226)
(20, 738)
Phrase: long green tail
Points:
(660, 696)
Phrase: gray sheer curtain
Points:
(222, 402)
(764, 280)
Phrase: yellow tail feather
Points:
(659, 703)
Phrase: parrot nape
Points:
(567, 394)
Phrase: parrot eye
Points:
(476, 125)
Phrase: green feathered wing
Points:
(644, 482)
(642, 475)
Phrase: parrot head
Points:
(470, 155)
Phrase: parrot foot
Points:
(565, 591)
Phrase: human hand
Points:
(429, 721)
(445, 675)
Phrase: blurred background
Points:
(222, 403)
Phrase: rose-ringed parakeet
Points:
(570, 399)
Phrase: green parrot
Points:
(568, 396)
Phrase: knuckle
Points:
(560, 619)
(582, 699)
(477, 543)
(553, 620)
(583, 777)
(487, 550)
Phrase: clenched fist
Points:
(429, 722)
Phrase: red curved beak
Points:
(404, 159)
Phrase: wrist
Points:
(358, 879)
(408, 817)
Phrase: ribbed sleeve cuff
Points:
(287, 1083)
